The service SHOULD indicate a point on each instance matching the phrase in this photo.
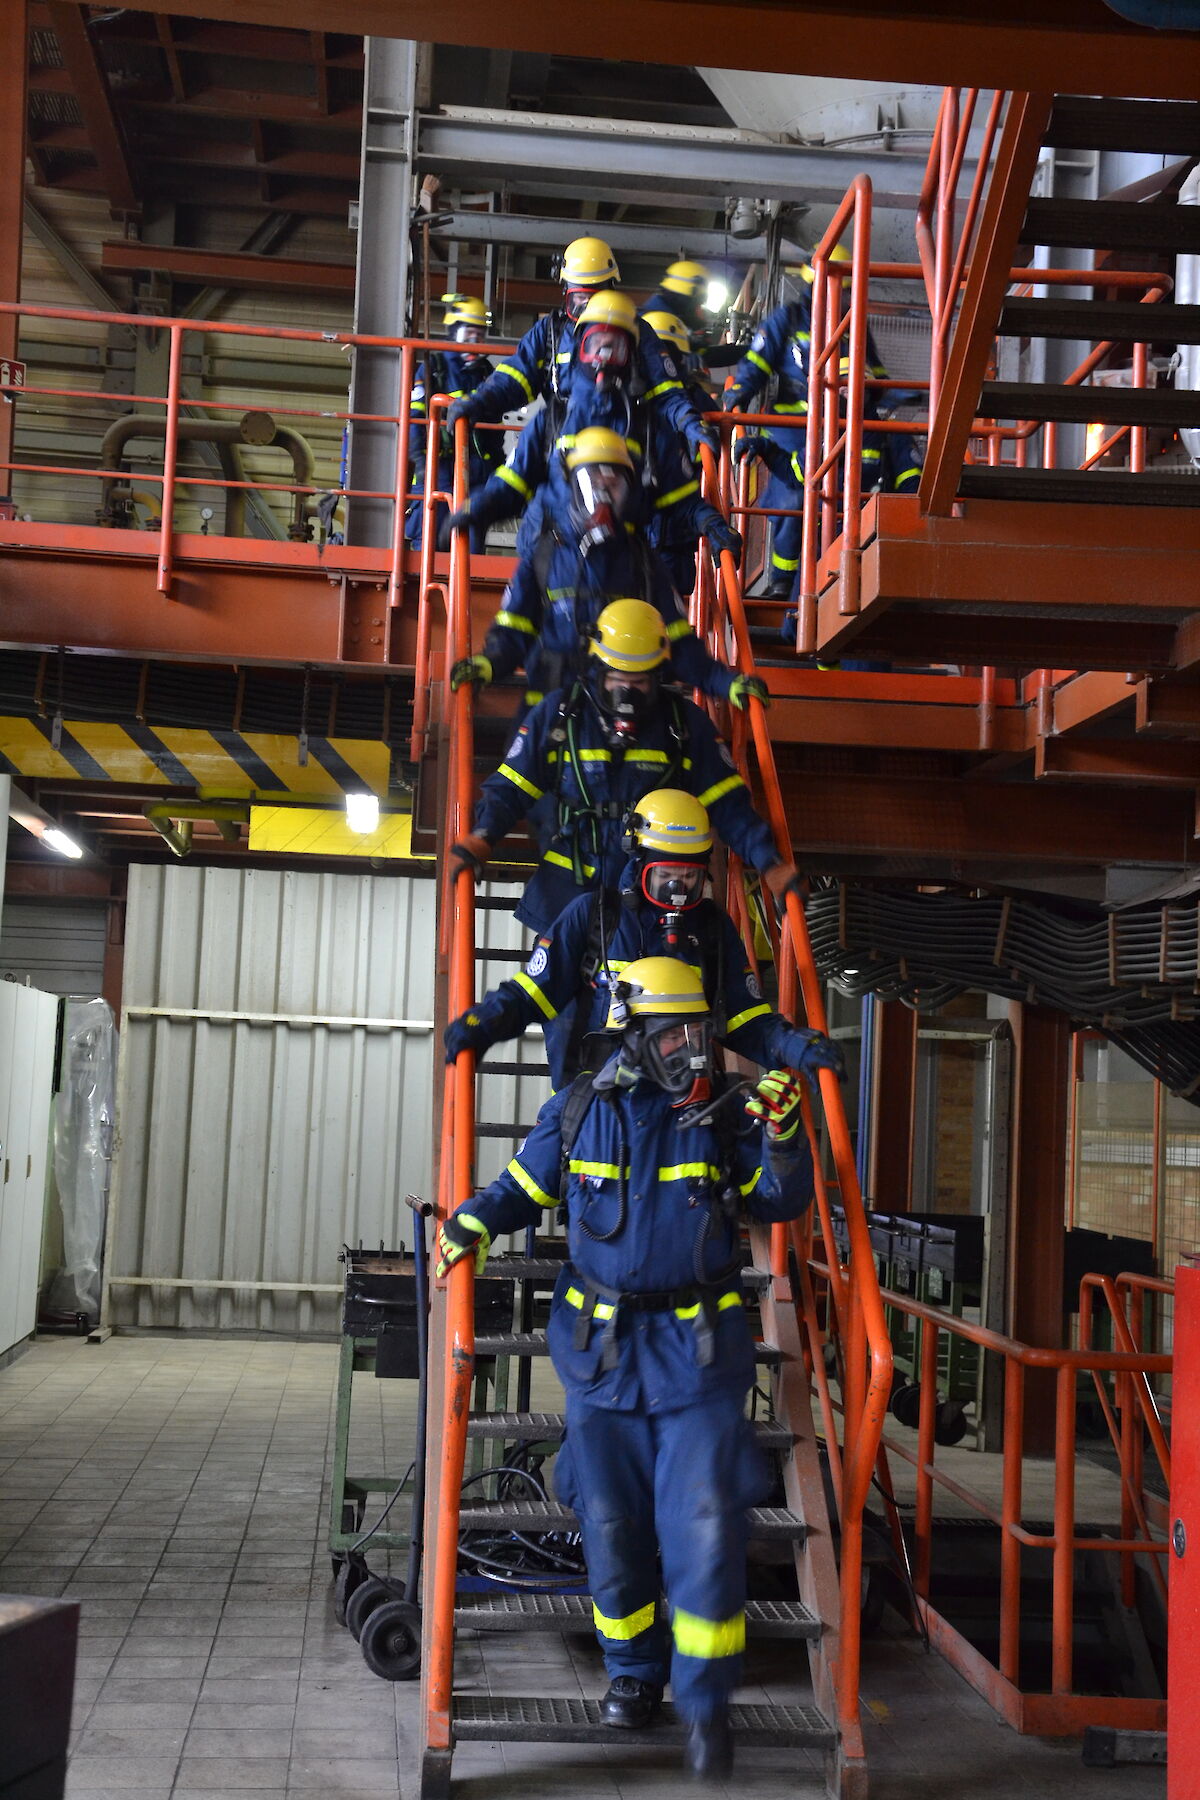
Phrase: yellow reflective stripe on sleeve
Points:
(527, 787)
(604, 1171)
(708, 1638)
(760, 362)
(532, 697)
(784, 562)
(791, 406)
(724, 1304)
(719, 789)
(744, 1018)
(679, 493)
(871, 455)
(603, 1310)
(517, 376)
(516, 622)
(631, 1626)
(564, 862)
(913, 474)
(748, 1187)
(530, 986)
(525, 1180)
(664, 387)
(678, 628)
(515, 481)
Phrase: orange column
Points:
(893, 1088)
(1041, 1093)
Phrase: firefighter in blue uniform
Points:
(595, 551)
(660, 910)
(648, 1335)
(591, 750)
(780, 349)
(682, 293)
(453, 372)
(543, 358)
(674, 531)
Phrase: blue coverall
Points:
(659, 1457)
(562, 752)
(567, 970)
(780, 348)
(544, 357)
(454, 373)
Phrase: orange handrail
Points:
(869, 1349)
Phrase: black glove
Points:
(744, 688)
(451, 522)
(471, 853)
(748, 446)
(820, 1052)
(463, 1235)
(467, 1032)
(731, 400)
(699, 435)
(724, 537)
(459, 409)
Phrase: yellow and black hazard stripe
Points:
(218, 761)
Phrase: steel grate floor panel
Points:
(518, 1719)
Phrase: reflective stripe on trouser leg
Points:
(609, 1480)
(787, 534)
(707, 1471)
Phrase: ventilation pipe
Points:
(255, 429)
(1187, 293)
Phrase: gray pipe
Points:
(257, 429)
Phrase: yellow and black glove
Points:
(776, 1101)
(463, 1235)
(471, 668)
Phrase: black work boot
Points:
(708, 1748)
(630, 1704)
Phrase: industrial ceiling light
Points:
(362, 812)
(716, 297)
(58, 840)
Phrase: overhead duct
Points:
(1133, 975)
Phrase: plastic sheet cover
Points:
(83, 1136)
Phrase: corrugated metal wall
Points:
(251, 1150)
(57, 945)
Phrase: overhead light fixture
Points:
(362, 812)
(58, 840)
(715, 299)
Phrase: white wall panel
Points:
(28, 1019)
(251, 1149)
(58, 945)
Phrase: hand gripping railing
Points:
(448, 1438)
(869, 1352)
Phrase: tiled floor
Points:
(175, 1487)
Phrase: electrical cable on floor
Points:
(368, 1535)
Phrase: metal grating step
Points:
(1085, 405)
(1100, 320)
(505, 1718)
(774, 1522)
(770, 1434)
(573, 1612)
(533, 1343)
(1160, 127)
(1111, 225)
(1083, 487)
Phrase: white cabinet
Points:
(28, 1023)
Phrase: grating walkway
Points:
(175, 1487)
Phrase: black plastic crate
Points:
(380, 1301)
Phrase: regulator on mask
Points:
(660, 1008)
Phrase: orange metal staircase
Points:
(825, 1617)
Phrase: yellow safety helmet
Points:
(465, 309)
(588, 262)
(597, 444)
(630, 636)
(666, 325)
(839, 253)
(656, 987)
(671, 823)
(690, 278)
(610, 308)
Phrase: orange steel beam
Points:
(90, 86)
(1118, 760)
(1041, 1073)
(983, 294)
(889, 1176)
(972, 821)
(1072, 46)
(1088, 698)
(1167, 712)
(13, 32)
(220, 268)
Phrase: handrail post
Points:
(1010, 1518)
(400, 479)
(1064, 1531)
(927, 1419)
(170, 455)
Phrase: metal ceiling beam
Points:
(90, 85)
(480, 146)
(89, 285)
(1118, 760)
(1064, 46)
(230, 269)
(13, 36)
(535, 233)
